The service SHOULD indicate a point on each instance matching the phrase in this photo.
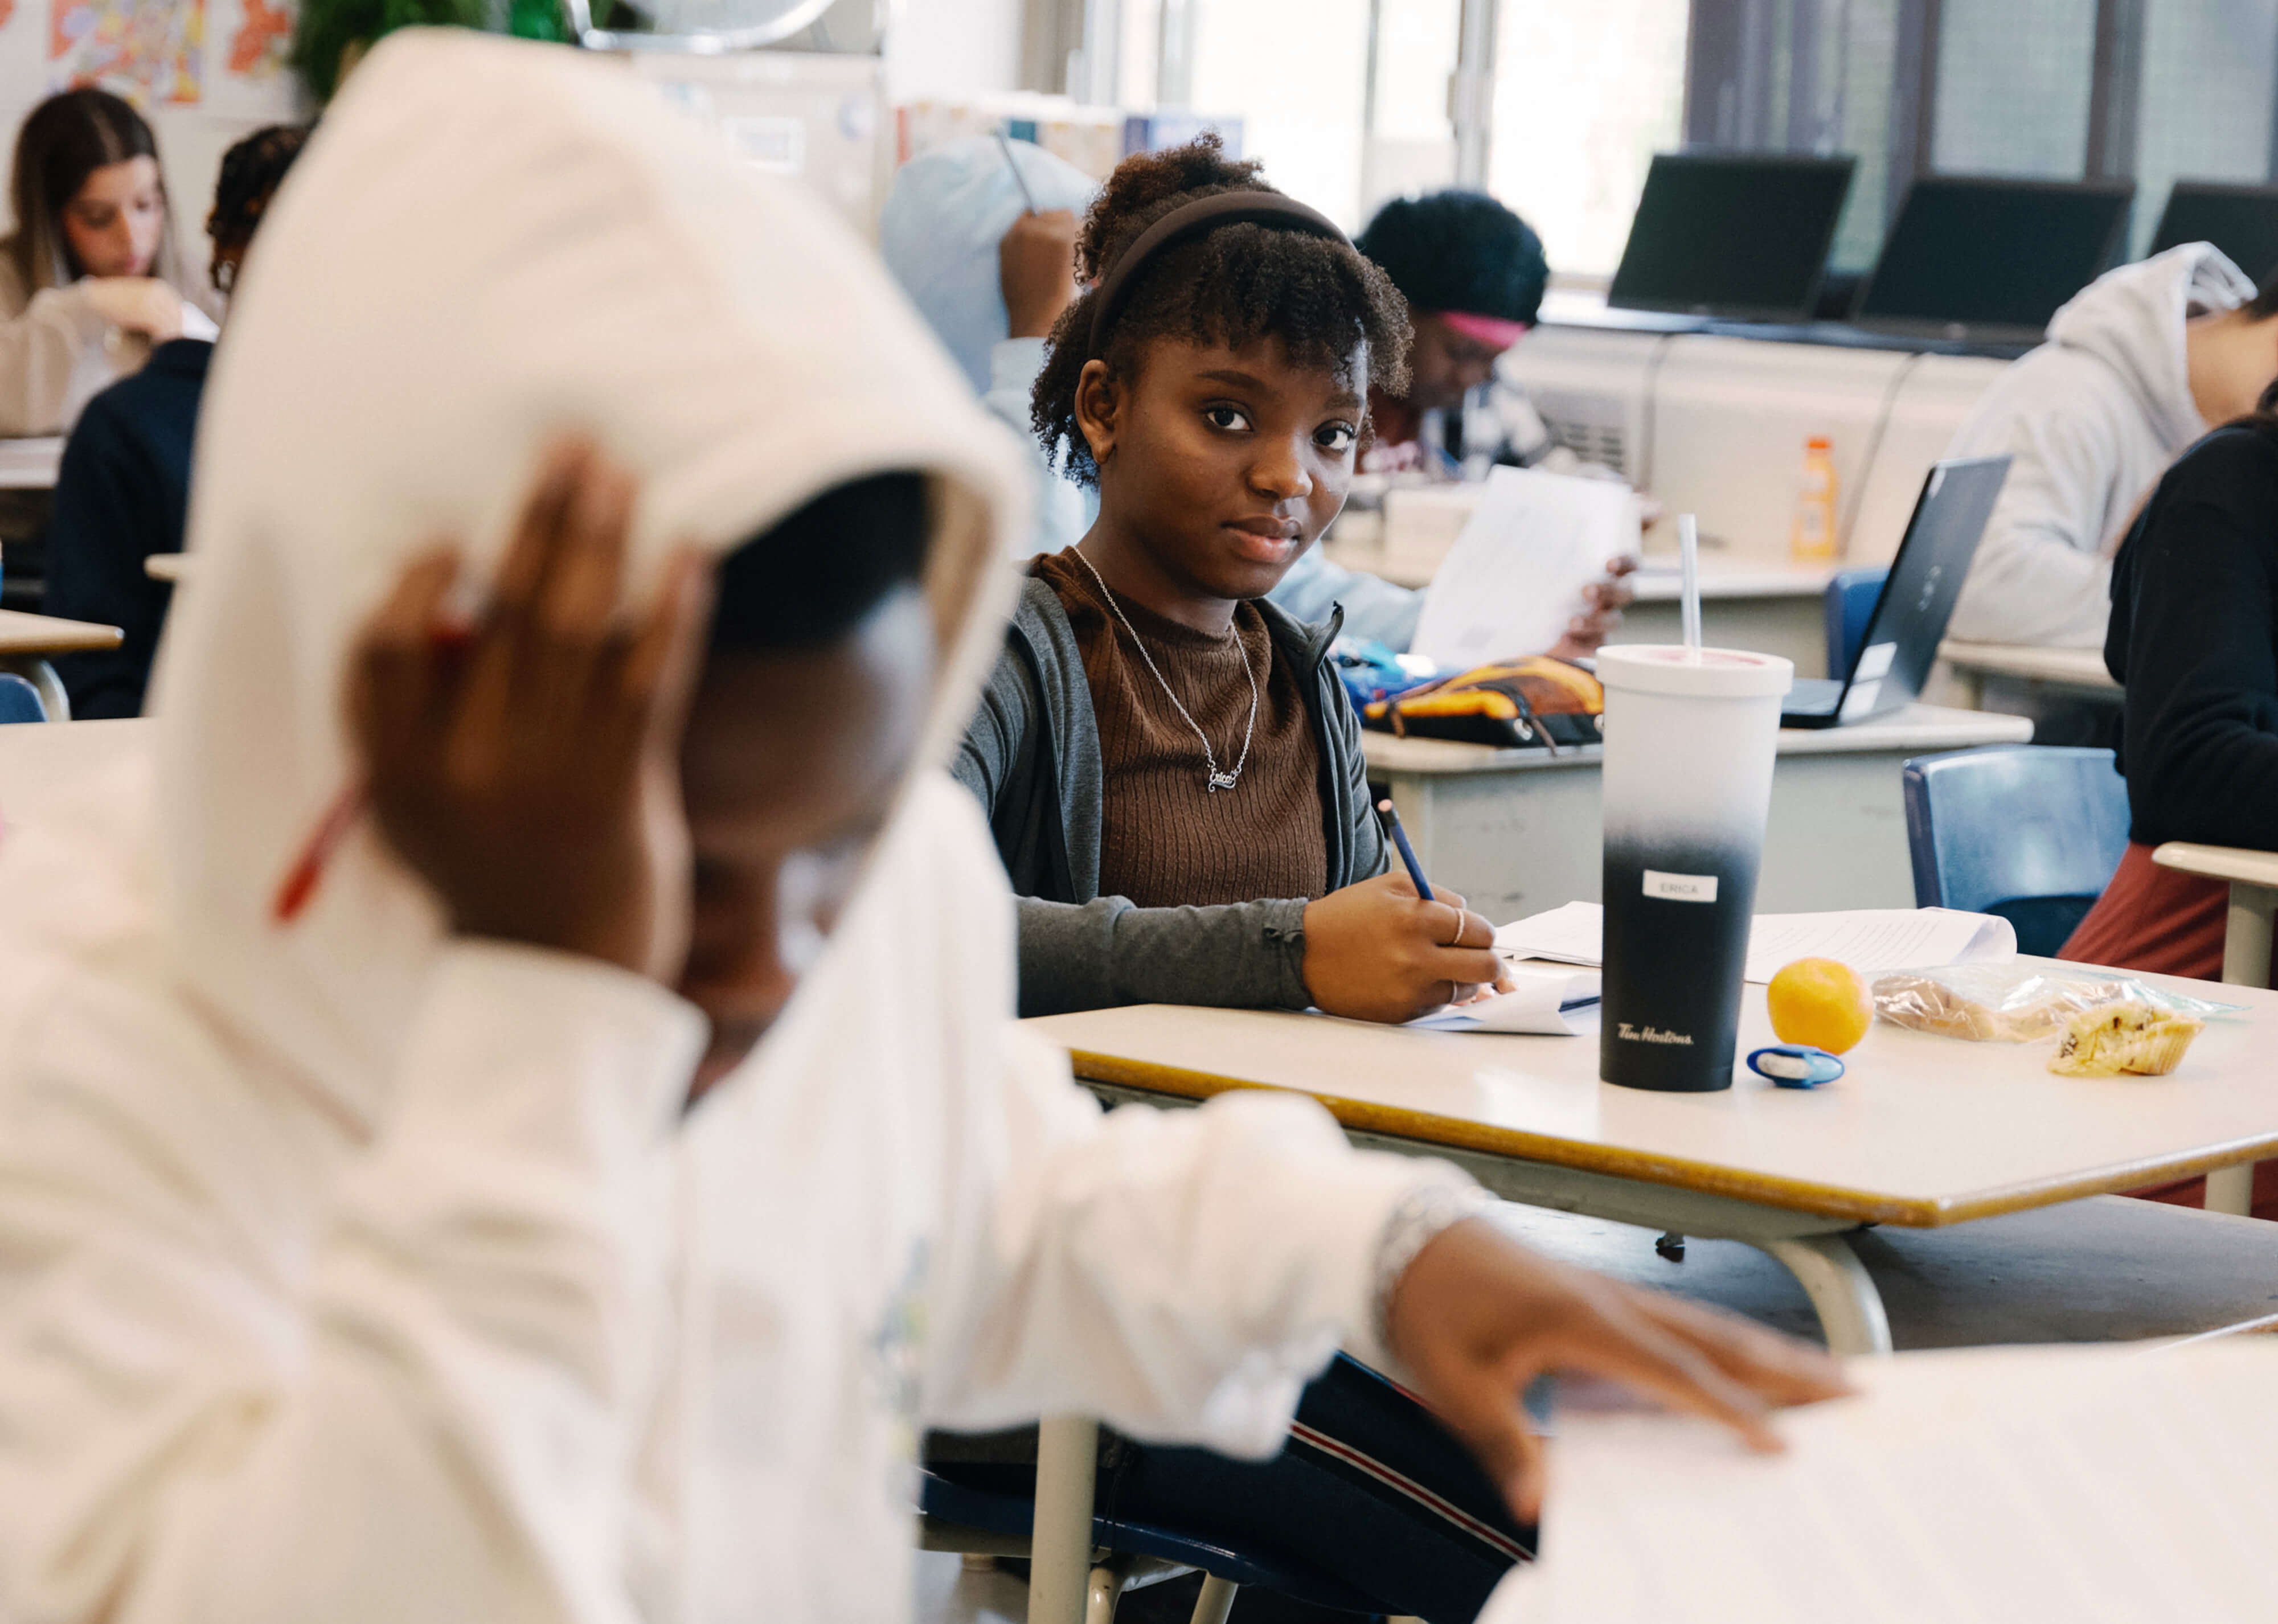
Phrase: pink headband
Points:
(1493, 330)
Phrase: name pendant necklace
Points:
(1218, 779)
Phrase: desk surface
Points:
(2233, 863)
(1923, 1131)
(30, 464)
(1657, 581)
(2066, 668)
(47, 633)
(1915, 730)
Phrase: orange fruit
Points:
(1819, 1002)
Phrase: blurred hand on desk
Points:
(1477, 1316)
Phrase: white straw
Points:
(1688, 550)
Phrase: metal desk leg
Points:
(2245, 962)
(1059, 1540)
(1850, 1308)
(2246, 936)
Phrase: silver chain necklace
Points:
(1218, 780)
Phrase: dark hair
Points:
(251, 171)
(1459, 251)
(65, 140)
(811, 577)
(1230, 285)
(2265, 303)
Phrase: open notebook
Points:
(2091, 1486)
(1871, 940)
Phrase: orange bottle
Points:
(1813, 539)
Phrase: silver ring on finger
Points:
(1463, 922)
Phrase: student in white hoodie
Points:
(2137, 365)
(368, 1252)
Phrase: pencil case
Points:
(1533, 701)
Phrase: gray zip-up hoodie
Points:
(2090, 420)
(1032, 757)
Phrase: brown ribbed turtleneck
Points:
(1164, 841)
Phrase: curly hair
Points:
(251, 171)
(1232, 284)
(1459, 251)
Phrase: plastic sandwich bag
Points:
(2012, 1002)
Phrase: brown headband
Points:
(1203, 214)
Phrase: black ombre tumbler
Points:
(1690, 736)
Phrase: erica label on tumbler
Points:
(1690, 737)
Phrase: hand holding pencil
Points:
(1396, 946)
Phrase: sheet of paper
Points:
(1515, 574)
(1871, 940)
(1544, 1000)
(2096, 1485)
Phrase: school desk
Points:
(1923, 1133)
(2253, 879)
(26, 640)
(1772, 608)
(1517, 831)
(2076, 673)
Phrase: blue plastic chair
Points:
(2029, 832)
(19, 701)
(1851, 596)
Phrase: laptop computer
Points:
(1903, 633)
(2241, 220)
(1977, 258)
(1731, 234)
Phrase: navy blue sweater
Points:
(121, 495)
(2194, 637)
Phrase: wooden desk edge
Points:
(1788, 1194)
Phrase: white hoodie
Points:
(2091, 418)
(351, 1272)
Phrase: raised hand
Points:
(1035, 268)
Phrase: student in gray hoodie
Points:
(2137, 365)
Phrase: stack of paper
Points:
(1515, 575)
(1871, 940)
(1544, 999)
(2091, 1486)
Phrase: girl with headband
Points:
(1172, 772)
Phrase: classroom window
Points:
(1296, 72)
(2014, 81)
(1411, 142)
(2206, 109)
(1586, 92)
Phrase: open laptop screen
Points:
(2241, 220)
(1733, 235)
(1998, 254)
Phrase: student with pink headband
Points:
(1472, 273)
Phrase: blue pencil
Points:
(1391, 821)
